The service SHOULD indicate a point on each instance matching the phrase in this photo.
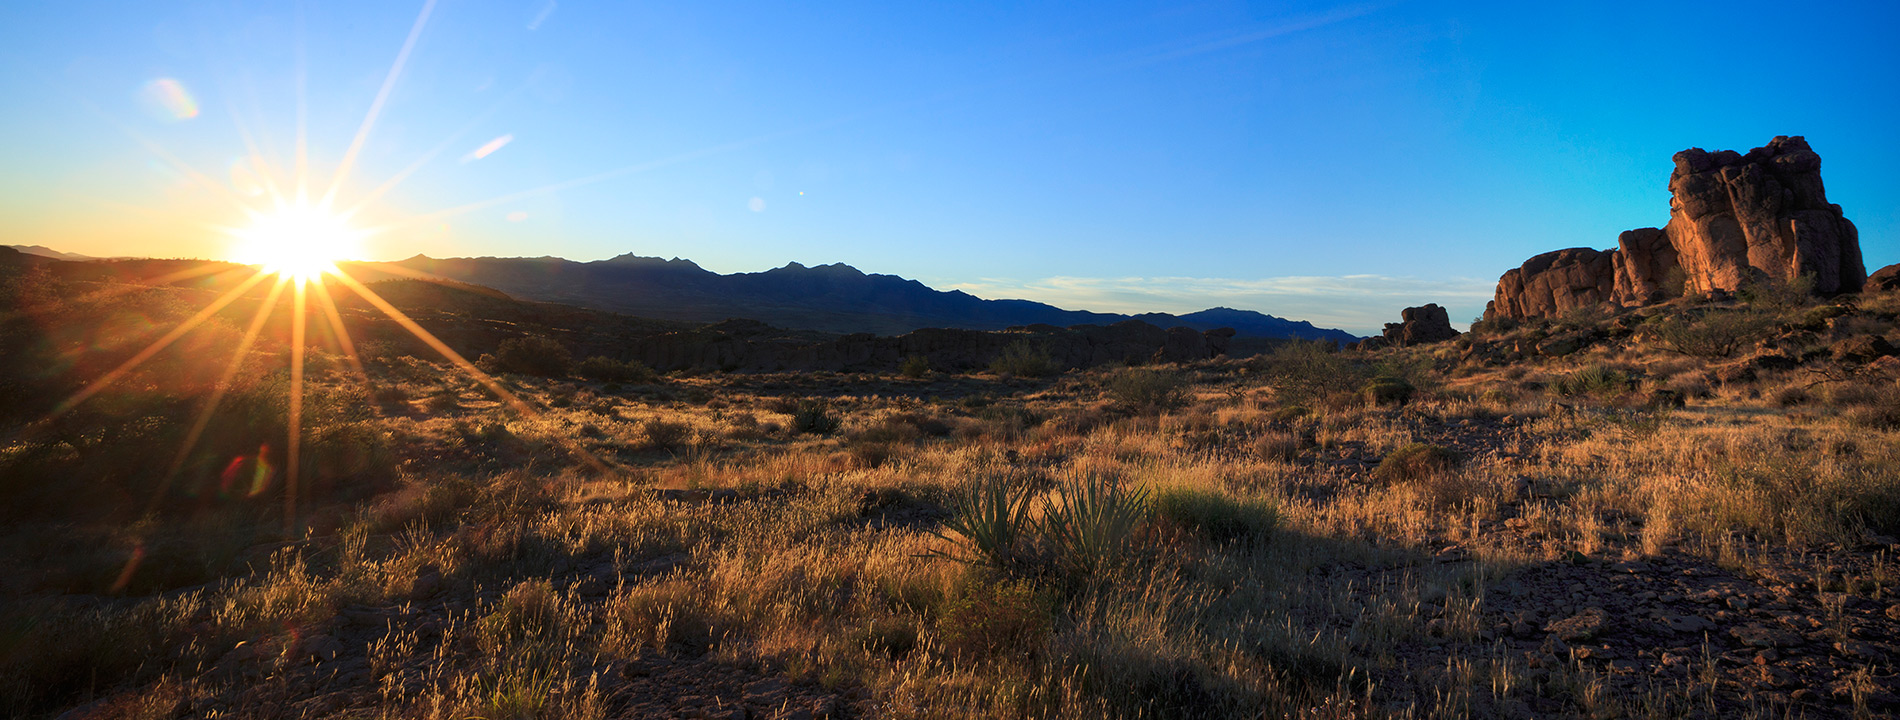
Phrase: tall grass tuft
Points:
(994, 521)
(1090, 522)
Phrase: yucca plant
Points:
(993, 519)
(1091, 521)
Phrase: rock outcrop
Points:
(1427, 324)
(1733, 219)
(1555, 283)
(1886, 279)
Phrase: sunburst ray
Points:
(376, 106)
(203, 420)
(163, 342)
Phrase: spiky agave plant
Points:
(1091, 521)
(993, 519)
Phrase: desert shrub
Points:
(1139, 388)
(922, 423)
(1303, 371)
(442, 400)
(873, 454)
(1026, 359)
(915, 366)
(1090, 523)
(390, 395)
(1216, 517)
(1776, 296)
(1388, 391)
(1881, 416)
(996, 621)
(605, 369)
(1414, 462)
(1595, 381)
(992, 518)
(1792, 395)
(813, 416)
(1277, 445)
(1713, 334)
(532, 355)
(665, 434)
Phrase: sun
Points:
(297, 241)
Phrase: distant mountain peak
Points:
(631, 259)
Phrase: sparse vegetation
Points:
(532, 355)
(1026, 359)
(1404, 533)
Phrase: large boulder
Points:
(1426, 324)
(1734, 218)
(1555, 283)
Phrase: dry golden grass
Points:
(1275, 573)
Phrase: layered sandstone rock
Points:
(1427, 324)
(1733, 219)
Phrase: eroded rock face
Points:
(1647, 268)
(1733, 219)
(1427, 324)
(1734, 216)
(1555, 283)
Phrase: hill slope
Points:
(831, 298)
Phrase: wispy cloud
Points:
(1356, 303)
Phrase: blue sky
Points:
(1322, 161)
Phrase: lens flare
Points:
(297, 241)
(167, 99)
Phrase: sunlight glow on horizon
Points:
(299, 241)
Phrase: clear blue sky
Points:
(1332, 162)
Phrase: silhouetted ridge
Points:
(833, 297)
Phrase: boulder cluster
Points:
(1734, 219)
(1418, 326)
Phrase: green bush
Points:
(1595, 381)
(1302, 371)
(813, 417)
(1715, 334)
(1416, 461)
(1026, 359)
(666, 434)
(1152, 389)
(1777, 296)
(1216, 517)
(606, 369)
(533, 355)
(915, 366)
(1388, 391)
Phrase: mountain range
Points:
(44, 251)
(835, 298)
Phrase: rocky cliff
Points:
(1733, 219)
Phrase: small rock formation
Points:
(1733, 219)
(1427, 324)
(1886, 279)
